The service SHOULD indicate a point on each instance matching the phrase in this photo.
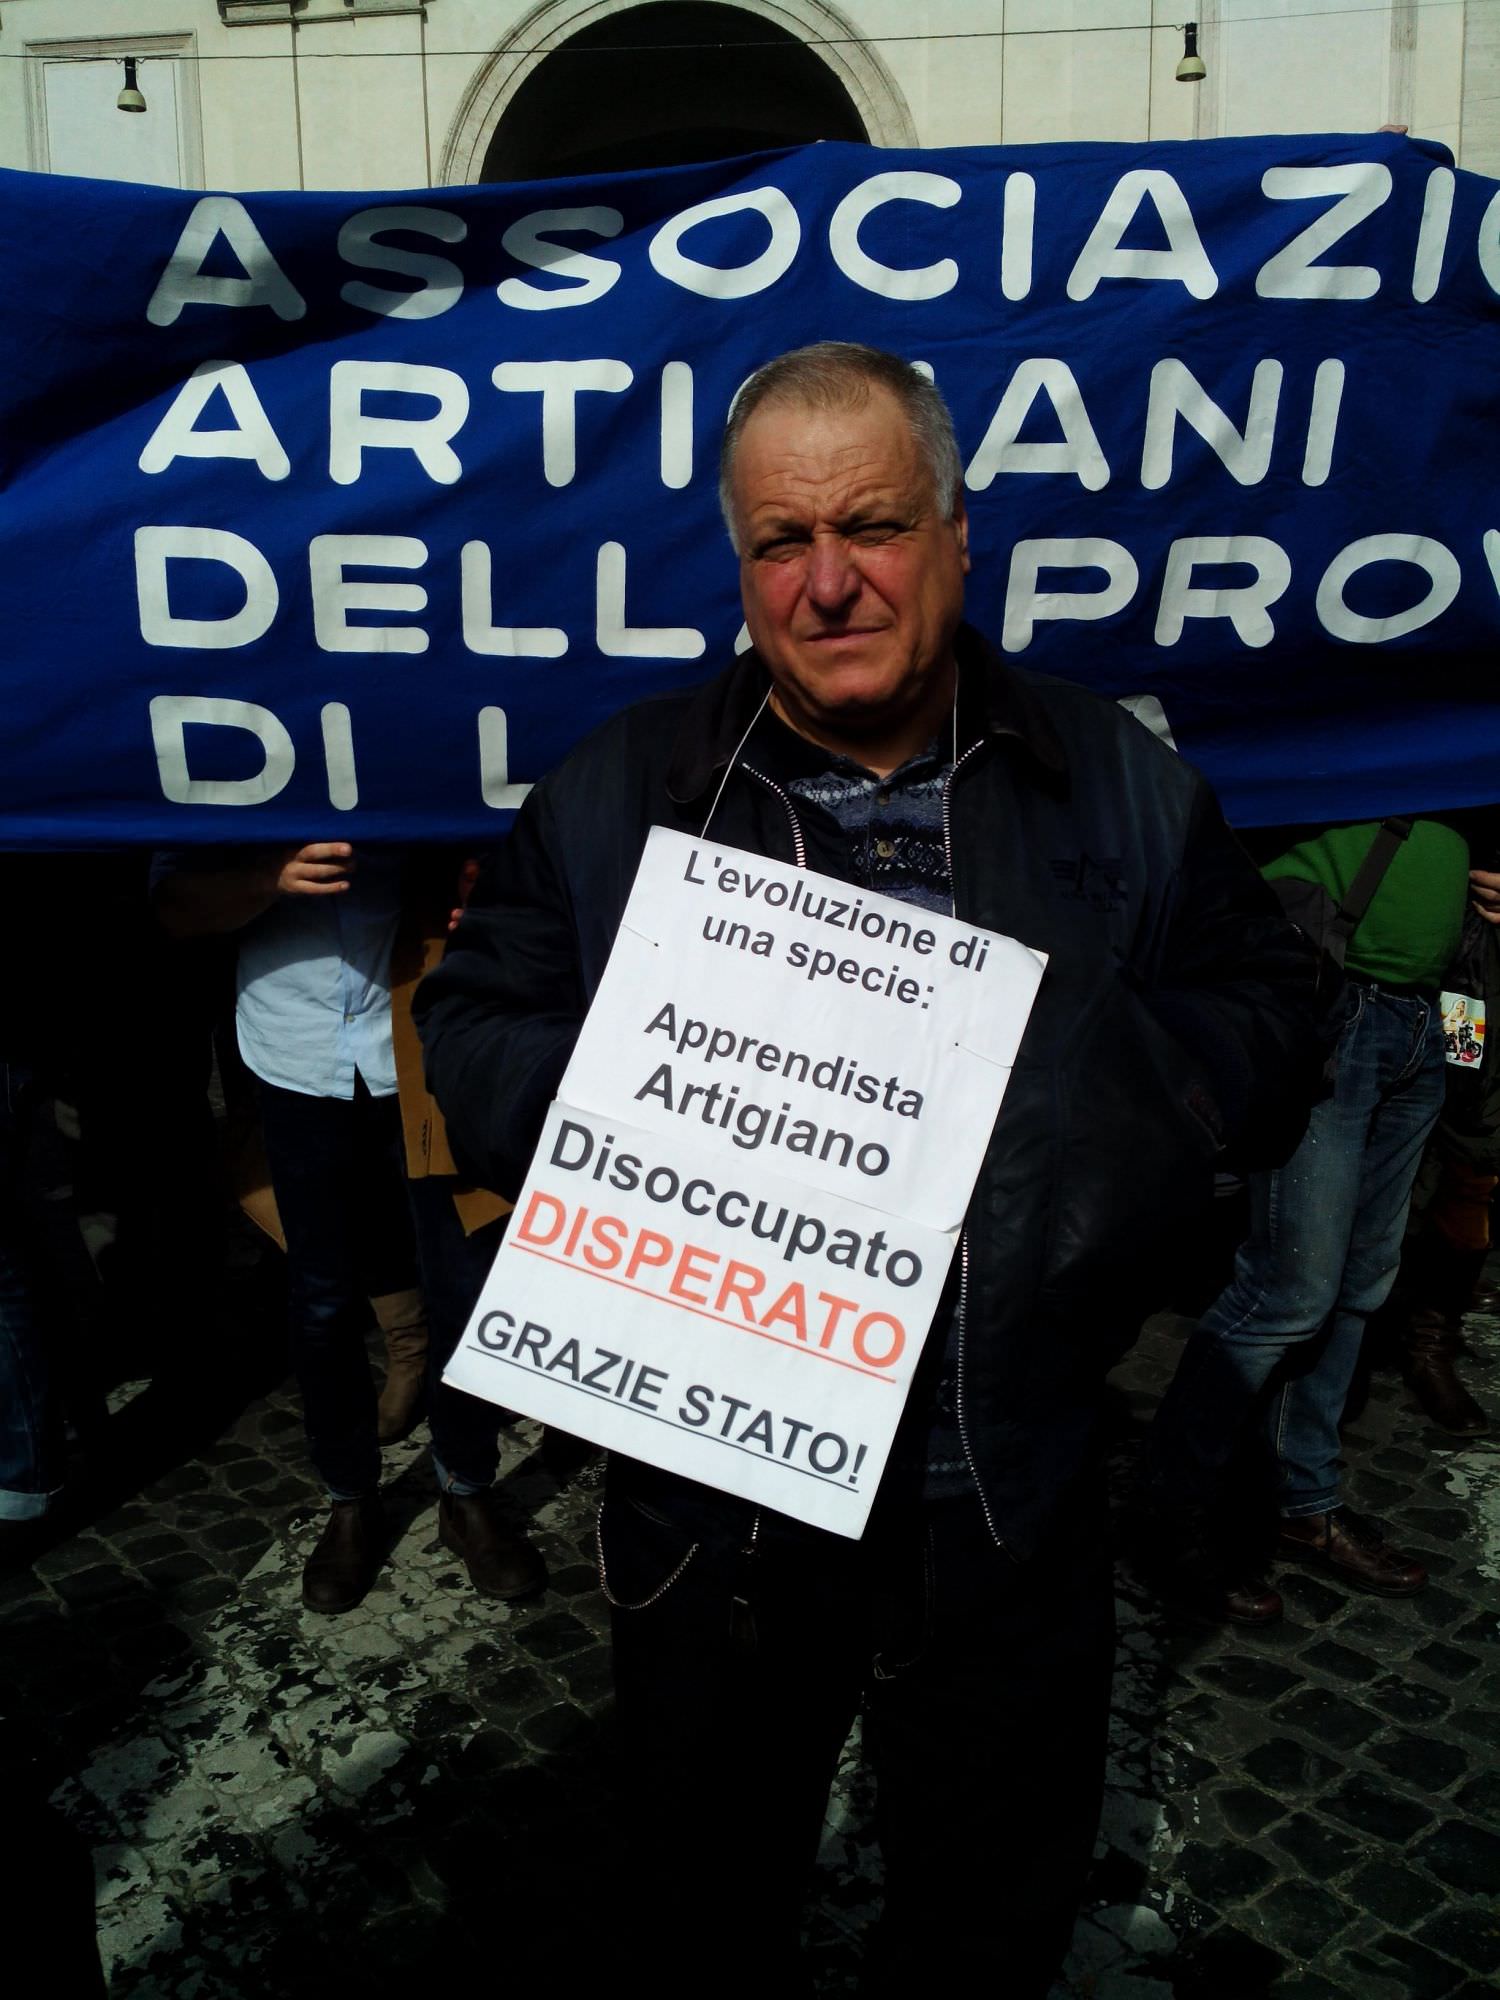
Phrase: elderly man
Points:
(873, 736)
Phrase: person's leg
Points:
(1288, 1275)
(30, 1434)
(1393, 1069)
(736, 1678)
(472, 1518)
(312, 1147)
(465, 1429)
(386, 1251)
(315, 1150)
(988, 1749)
(1405, 1048)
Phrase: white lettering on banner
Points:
(338, 755)
(576, 277)
(352, 431)
(157, 546)
(1078, 451)
(1246, 606)
(1177, 392)
(1489, 243)
(587, 277)
(1322, 423)
(766, 1166)
(495, 787)
(1432, 239)
(1183, 262)
(442, 282)
(1437, 564)
(184, 282)
(677, 425)
(738, 281)
(928, 282)
(1291, 273)
(1026, 605)
(618, 640)
(335, 595)
(511, 642)
(1017, 231)
(251, 436)
(171, 715)
(1172, 392)
(560, 384)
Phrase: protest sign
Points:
(835, 1031)
(345, 515)
(738, 1222)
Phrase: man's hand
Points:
(468, 875)
(202, 902)
(322, 868)
(1485, 883)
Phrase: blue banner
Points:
(347, 514)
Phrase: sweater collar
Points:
(720, 713)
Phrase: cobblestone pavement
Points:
(273, 1801)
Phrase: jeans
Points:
(1284, 1337)
(741, 1656)
(338, 1167)
(30, 1447)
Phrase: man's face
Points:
(852, 580)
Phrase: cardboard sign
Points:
(738, 1222)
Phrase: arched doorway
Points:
(663, 82)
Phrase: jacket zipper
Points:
(799, 850)
(963, 1242)
(799, 846)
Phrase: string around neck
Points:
(734, 758)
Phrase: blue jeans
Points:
(357, 1228)
(30, 1447)
(1284, 1337)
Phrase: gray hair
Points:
(839, 375)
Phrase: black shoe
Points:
(21, 1542)
(1432, 1345)
(500, 1562)
(1191, 1569)
(347, 1559)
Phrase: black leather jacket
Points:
(1173, 1029)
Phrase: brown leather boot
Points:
(350, 1551)
(501, 1563)
(402, 1318)
(1351, 1547)
(1431, 1344)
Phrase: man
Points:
(870, 735)
(1281, 1343)
(320, 931)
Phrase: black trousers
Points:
(741, 1659)
(356, 1228)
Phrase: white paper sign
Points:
(841, 1037)
(737, 1225)
(700, 1313)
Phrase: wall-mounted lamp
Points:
(1190, 69)
(130, 98)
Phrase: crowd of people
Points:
(1312, 1028)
